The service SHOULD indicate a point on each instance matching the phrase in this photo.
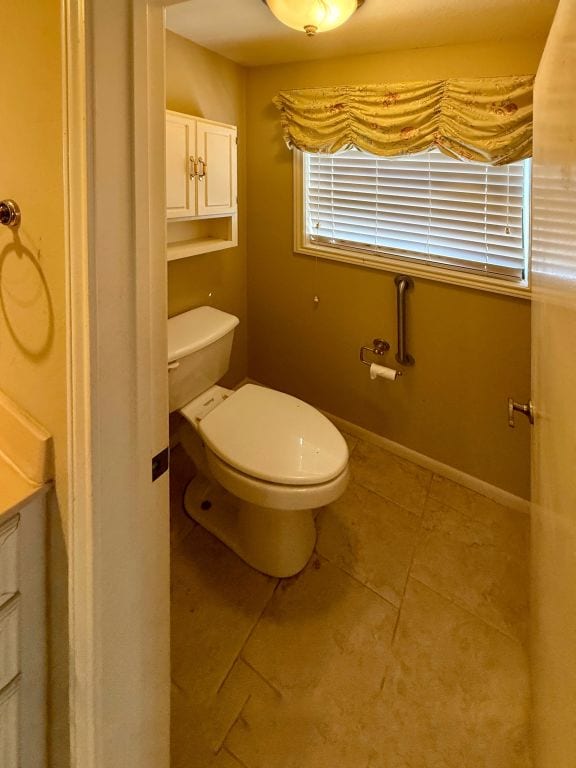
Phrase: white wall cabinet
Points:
(201, 185)
(180, 170)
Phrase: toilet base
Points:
(274, 542)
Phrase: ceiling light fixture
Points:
(313, 16)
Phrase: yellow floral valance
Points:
(488, 120)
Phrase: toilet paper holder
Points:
(380, 347)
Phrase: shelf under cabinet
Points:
(195, 236)
(186, 248)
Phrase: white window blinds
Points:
(426, 207)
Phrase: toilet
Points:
(278, 457)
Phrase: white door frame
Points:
(118, 532)
(553, 561)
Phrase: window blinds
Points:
(426, 207)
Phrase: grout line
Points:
(467, 610)
(226, 676)
(450, 599)
(238, 716)
(389, 603)
(408, 577)
(235, 757)
(417, 515)
(352, 450)
(475, 517)
(432, 475)
(417, 543)
(261, 676)
(178, 545)
(260, 615)
(249, 635)
(395, 630)
(223, 746)
(178, 687)
(503, 551)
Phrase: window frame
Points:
(391, 262)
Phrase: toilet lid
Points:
(276, 437)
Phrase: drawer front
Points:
(9, 704)
(9, 641)
(9, 558)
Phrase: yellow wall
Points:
(472, 348)
(32, 277)
(33, 284)
(201, 83)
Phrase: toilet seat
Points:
(274, 437)
(281, 498)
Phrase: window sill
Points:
(425, 271)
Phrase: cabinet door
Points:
(216, 153)
(180, 182)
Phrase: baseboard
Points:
(456, 475)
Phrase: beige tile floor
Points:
(401, 645)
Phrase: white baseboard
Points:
(451, 473)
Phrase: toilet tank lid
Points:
(195, 329)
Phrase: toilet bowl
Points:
(277, 456)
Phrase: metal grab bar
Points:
(403, 283)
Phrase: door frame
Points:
(553, 539)
(118, 518)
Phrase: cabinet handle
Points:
(193, 167)
(202, 173)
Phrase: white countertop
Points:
(25, 452)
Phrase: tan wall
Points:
(33, 284)
(472, 348)
(201, 83)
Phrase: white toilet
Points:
(279, 456)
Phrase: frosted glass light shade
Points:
(312, 16)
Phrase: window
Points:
(426, 213)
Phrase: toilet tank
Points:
(199, 347)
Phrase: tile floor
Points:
(401, 645)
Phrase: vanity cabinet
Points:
(201, 185)
(23, 634)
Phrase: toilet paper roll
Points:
(380, 371)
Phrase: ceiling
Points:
(246, 32)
